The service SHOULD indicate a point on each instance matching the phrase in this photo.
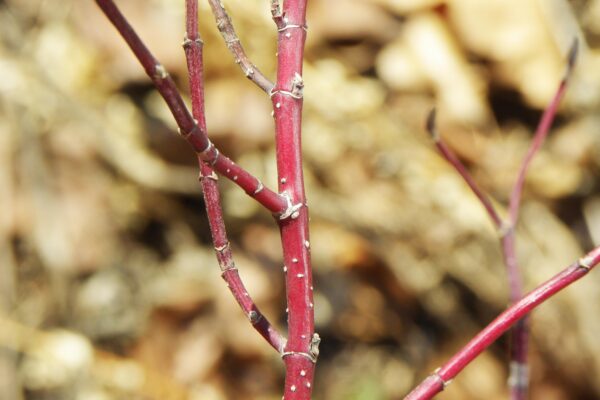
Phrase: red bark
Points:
(302, 346)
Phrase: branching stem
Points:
(208, 179)
(190, 130)
(540, 134)
(436, 382)
(519, 370)
(519, 374)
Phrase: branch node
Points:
(204, 152)
(504, 229)
(436, 375)
(292, 210)
(298, 85)
(160, 72)
(292, 26)
(221, 249)
(254, 317)
(296, 92)
(249, 72)
(187, 42)
(314, 346)
(230, 267)
(212, 176)
(186, 135)
(313, 352)
(259, 188)
(216, 157)
(586, 262)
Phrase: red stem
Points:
(436, 382)
(540, 134)
(190, 130)
(193, 51)
(518, 380)
(519, 374)
(302, 346)
(462, 171)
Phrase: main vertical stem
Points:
(302, 347)
(518, 380)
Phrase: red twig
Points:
(235, 47)
(302, 347)
(540, 134)
(189, 129)
(193, 51)
(519, 374)
(436, 382)
(462, 171)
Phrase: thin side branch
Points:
(540, 134)
(235, 47)
(229, 271)
(277, 14)
(462, 171)
(208, 179)
(189, 128)
(518, 380)
(519, 374)
(442, 377)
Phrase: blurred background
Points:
(109, 288)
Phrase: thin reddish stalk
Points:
(519, 374)
(302, 347)
(189, 129)
(234, 45)
(540, 134)
(518, 380)
(436, 382)
(193, 51)
(462, 171)
(519, 371)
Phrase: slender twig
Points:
(188, 127)
(193, 51)
(519, 371)
(541, 133)
(232, 41)
(301, 350)
(519, 374)
(462, 171)
(277, 14)
(436, 382)
(519, 377)
(229, 271)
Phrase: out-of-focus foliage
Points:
(109, 288)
